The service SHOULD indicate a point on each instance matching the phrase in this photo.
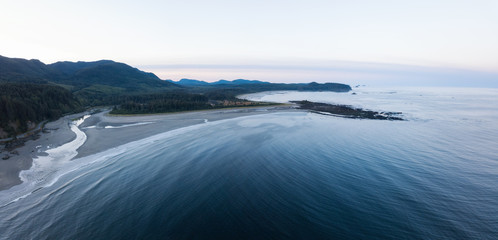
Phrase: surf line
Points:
(45, 170)
(57, 156)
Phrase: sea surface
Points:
(286, 175)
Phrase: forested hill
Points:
(32, 91)
(258, 86)
(23, 105)
(80, 75)
(23, 70)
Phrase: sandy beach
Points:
(55, 134)
(106, 131)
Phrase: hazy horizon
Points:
(449, 43)
(348, 72)
(353, 73)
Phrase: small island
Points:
(347, 111)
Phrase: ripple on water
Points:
(286, 175)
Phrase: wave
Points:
(129, 125)
(45, 170)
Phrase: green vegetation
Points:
(245, 87)
(348, 111)
(31, 91)
(177, 101)
(158, 103)
(25, 104)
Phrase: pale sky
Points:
(354, 40)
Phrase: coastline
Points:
(55, 134)
(104, 131)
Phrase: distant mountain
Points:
(23, 70)
(31, 91)
(70, 68)
(191, 82)
(112, 74)
(239, 82)
(313, 86)
(79, 75)
(256, 85)
(91, 82)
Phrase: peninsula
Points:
(347, 111)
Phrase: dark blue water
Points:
(279, 176)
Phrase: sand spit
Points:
(104, 131)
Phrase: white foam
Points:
(45, 170)
(129, 125)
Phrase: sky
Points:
(438, 42)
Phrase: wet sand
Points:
(105, 131)
(55, 134)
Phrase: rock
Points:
(347, 111)
(14, 144)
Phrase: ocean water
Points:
(286, 175)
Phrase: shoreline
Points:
(56, 134)
(104, 131)
(347, 111)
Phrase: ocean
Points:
(285, 175)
